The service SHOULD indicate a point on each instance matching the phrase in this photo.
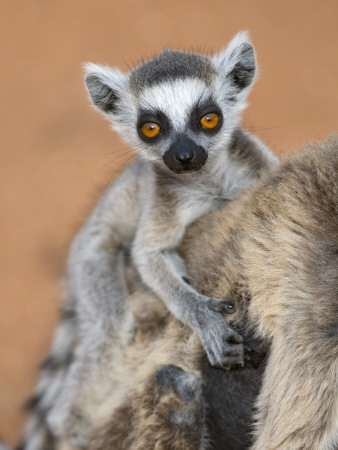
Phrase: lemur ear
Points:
(105, 86)
(237, 62)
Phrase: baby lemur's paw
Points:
(222, 344)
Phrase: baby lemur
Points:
(180, 111)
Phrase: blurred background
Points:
(57, 154)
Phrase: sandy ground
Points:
(57, 153)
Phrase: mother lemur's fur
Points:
(274, 252)
(278, 246)
(191, 167)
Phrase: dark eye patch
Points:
(200, 110)
(157, 117)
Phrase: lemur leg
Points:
(158, 236)
(96, 277)
(168, 412)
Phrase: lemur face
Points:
(178, 121)
(177, 109)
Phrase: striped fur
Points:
(37, 435)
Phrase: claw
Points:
(186, 280)
(228, 307)
(221, 306)
(235, 338)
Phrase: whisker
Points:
(265, 128)
(124, 149)
(114, 160)
(121, 166)
(121, 155)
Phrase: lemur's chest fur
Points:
(198, 194)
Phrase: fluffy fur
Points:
(147, 210)
(274, 252)
(279, 246)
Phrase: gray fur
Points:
(170, 65)
(147, 209)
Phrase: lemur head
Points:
(177, 108)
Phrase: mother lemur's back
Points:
(294, 233)
(274, 251)
(291, 263)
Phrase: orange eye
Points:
(150, 129)
(209, 121)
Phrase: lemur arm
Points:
(95, 264)
(159, 234)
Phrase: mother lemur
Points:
(274, 252)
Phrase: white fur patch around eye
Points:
(175, 99)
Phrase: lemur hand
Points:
(221, 343)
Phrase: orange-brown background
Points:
(57, 153)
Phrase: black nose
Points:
(184, 155)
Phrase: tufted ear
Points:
(105, 86)
(237, 62)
